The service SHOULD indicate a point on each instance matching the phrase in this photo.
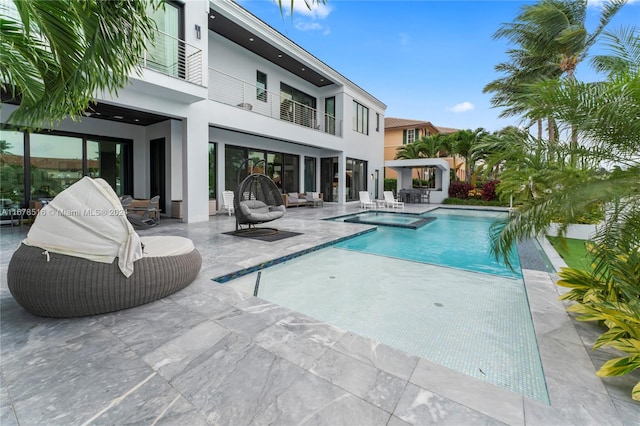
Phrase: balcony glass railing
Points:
(230, 90)
(174, 57)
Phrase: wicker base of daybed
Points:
(67, 286)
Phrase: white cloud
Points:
(307, 26)
(464, 106)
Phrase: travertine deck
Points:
(212, 355)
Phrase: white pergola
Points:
(404, 169)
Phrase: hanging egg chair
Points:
(257, 200)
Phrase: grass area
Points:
(572, 251)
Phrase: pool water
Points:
(455, 239)
(449, 307)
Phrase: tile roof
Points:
(391, 122)
(400, 123)
(447, 129)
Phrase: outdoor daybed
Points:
(82, 257)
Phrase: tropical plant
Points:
(611, 294)
(56, 55)
(605, 114)
(463, 143)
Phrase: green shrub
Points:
(391, 185)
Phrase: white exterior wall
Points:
(195, 119)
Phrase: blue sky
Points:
(425, 59)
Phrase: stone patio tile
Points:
(419, 406)
(539, 414)
(7, 416)
(22, 333)
(313, 401)
(476, 394)
(583, 405)
(203, 302)
(155, 402)
(252, 316)
(394, 421)
(175, 355)
(568, 363)
(299, 339)
(369, 383)
(72, 381)
(146, 327)
(234, 381)
(379, 355)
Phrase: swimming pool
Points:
(422, 293)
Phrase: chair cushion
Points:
(165, 245)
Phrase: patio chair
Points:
(390, 201)
(126, 201)
(365, 201)
(313, 199)
(227, 202)
(94, 262)
(257, 200)
(147, 216)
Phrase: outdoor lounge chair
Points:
(146, 216)
(365, 201)
(82, 257)
(227, 202)
(390, 201)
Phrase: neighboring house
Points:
(205, 101)
(401, 131)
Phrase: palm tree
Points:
(552, 40)
(465, 141)
(412, 151)
(57, 54)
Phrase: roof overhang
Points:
(418, 162)
(230, 26)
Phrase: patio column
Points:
(195, 164)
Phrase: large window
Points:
(291, 173)
(329, 178)
(212, 170)
(233, 158)
(109, 161)
(356, 178)
(261, 86)
(41, 165)
(56, 163)
(165, 54)
(360, 118)
(330, 115)
(11, 168)
(309, 174)
(297, 106)
(283, 169)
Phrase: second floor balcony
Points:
(230, 90)
(174, 57)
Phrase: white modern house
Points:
(218, 86)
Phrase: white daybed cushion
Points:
(87, 220)
(166, 245)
